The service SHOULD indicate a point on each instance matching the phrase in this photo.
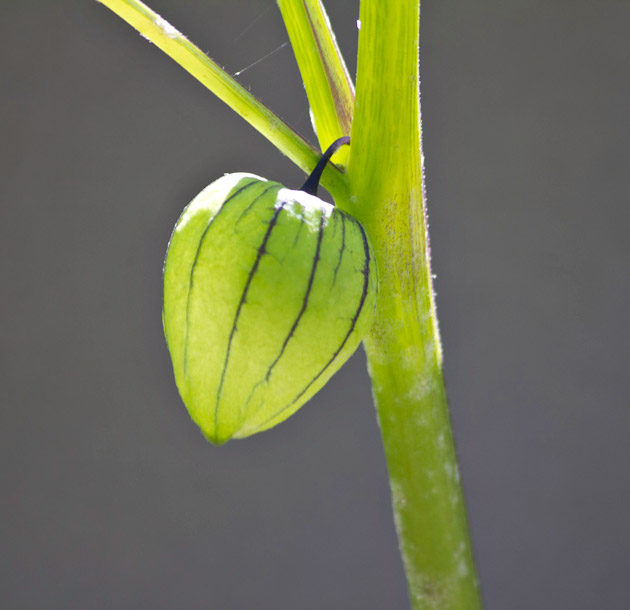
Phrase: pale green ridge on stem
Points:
(326, 79)
(403, 347)
(164, 36)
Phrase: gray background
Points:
(110, 496)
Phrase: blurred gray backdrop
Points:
(111, 498)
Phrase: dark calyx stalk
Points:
(312, 182)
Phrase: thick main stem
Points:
(403, 348)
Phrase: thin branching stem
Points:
(164, 36)
(328, 85)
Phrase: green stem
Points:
(326, 79)
(164, 36)
(403, 348)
